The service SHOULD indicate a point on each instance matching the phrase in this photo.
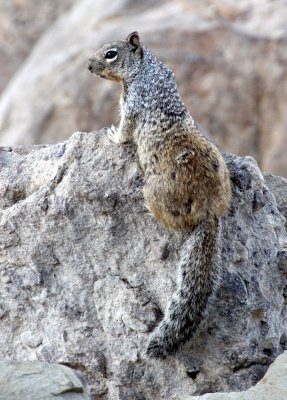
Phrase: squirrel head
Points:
(118, 61)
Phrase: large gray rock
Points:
(278, 185)
(229, 59)
(39, 381)
(272, 387)
(86, 273)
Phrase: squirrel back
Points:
(187, 185)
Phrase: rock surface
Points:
(39, 381)
(272, 387)
(229, 59)
(278, 185)
(86, 273)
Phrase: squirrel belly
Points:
(187, 184)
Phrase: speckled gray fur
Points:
(151, 95)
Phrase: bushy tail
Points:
(196, 280)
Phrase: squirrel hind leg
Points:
(174, 213)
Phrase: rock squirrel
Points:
(187, 184)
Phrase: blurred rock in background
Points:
(21, 24)
(229, 58)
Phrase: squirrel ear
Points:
(134, 41)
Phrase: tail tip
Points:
(155, 349)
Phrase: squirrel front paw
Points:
(112, 134)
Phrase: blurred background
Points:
(229, 58)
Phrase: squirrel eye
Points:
(110, 54)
